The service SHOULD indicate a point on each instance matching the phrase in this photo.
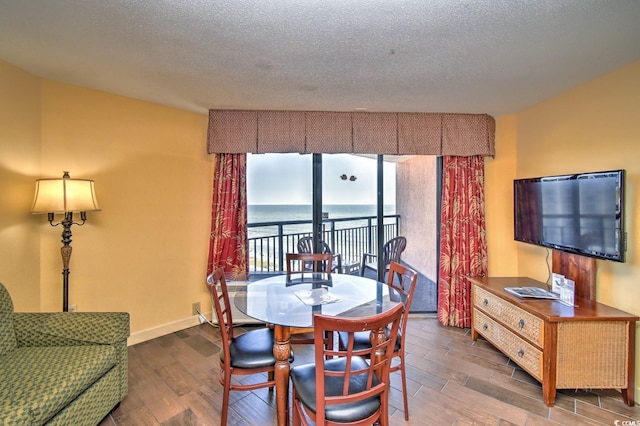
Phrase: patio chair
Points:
(342, 386)
(244, 354)
(391, 252)
(305, 245)
(402, 281)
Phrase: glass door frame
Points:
(317, 207)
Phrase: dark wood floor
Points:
(452, 381)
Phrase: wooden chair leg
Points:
(384, 411)
(295, 420)
(404, 389)
(225, 400)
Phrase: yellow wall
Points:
(146, 251)
(500, 171)
(19, 167)
(593, 127)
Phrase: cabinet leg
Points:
(548, 395)
(627, 396)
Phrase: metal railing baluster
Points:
(266, 253)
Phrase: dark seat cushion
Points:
(362, 340)
(40, 381)
(253, 349)
(303, 378)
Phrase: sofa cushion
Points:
(10, 416)
(8, 340)
(43, 380)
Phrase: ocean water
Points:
(260, 213)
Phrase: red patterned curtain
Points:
(228, 238)
(463, 246)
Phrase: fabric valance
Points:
(391, 133)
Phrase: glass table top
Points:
(292, 301)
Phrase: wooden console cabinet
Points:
(589, 346)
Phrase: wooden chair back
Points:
(402, 281)
(221, 307)
(374, 374)
(299, 263)
(318, 262)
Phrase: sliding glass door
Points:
(279, 211)
(282, 189)
(350, 204)
(333, 197)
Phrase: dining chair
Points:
(347, 385)
(402, 282)
(391, 252)
(297, 263)
(243, 354)
(305, 245)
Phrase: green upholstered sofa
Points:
(61, 368)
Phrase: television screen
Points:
(579, 213)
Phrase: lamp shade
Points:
(64, 195)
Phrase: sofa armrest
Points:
(70, 328)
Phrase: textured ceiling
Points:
(475, 56)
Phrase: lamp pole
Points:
(65, 251)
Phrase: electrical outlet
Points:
(73, 308)
(195, 308)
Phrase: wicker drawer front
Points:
(593, 354)
(524, 354)
(526, 325)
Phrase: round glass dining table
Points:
(288, 301)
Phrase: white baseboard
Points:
(163, 330)
(151, 333)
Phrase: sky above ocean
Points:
(287, 179)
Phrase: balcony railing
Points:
(350, 237)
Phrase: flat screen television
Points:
(579, 213)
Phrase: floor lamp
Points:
(65, 196)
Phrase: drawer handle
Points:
(485, 302)
(485, 327)
(520, 353)
(521, 323)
